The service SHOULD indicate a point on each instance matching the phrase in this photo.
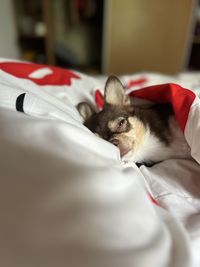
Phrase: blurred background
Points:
(102, 37)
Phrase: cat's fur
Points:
(142, 134)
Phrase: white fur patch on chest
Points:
(151, 149)
(146, 151)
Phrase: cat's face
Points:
(119, 122)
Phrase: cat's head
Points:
(118, 122)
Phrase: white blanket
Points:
(66, 199)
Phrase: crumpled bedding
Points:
(66, 198)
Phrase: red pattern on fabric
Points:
(154, 201)
(99, 99)
(58, 76)
(136, 82)
(180, 98)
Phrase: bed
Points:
(67, 199)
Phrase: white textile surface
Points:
(66, 199)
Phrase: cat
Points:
(143, 134)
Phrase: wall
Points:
(8, 34)
(142, 35)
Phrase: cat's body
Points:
(142, 134)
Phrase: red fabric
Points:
(180, 98)
(99, 99)
(23, 70)
(136, 82)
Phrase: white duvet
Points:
(66, 199)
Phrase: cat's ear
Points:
(114, 93)
(85, 110)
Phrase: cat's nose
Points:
(114, 141)
(124, 148)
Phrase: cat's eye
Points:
(118, 125)
(122, 122)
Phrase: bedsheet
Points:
(66, 198)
